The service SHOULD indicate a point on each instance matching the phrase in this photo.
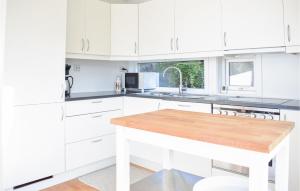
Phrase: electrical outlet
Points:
(77, 68)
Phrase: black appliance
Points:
(69, 80)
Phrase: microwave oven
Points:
(140, 81)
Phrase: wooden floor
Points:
(73, 185)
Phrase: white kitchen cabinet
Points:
(76, 26)
(74, 108)
(156, 27)
(89, 126)
(33, 147)
(133, 106)
(35, 50)
(124, 29)
(292, 25)
(198, 26)
(251, 24)
(294, 176)
(186, 106)
(89, 151)
(88, 27)
(186, 162)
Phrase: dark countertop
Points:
(272, 103)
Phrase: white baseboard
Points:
(154, 166)
(66, 176)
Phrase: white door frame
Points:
(2, 45)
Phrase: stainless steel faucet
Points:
(180, 77)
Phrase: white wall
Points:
(2, 45)
(281, 76)
(95, 75)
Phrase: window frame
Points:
(249, 90)
(205, 90)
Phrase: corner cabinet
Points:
(249, 24)
(33, 147)
(292, 25)
(124, 30)
(88, 27)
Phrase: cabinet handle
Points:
(135, 48)
(172, 44)
(284, 117)
(97, 101)
(97, 141)
(88, 45)
(82, 45)
(62, 91)
(62, 113)
(177, 43)
(97, 116)
(289, 33)
(225, 39)
(184, 105)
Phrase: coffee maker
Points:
(69, 80)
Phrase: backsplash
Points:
(93, 76)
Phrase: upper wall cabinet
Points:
(198, 25)
(292, 22)
(88, 27)
(156, 27)
(124, 29)
(35, 50)
(251, 24)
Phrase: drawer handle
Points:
(97, 141)
(97, 116)
(184, 105)
(97, 101)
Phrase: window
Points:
(241, 75)
(193, 73)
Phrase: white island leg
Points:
(282, 168)
(122, 161)
(258, 176)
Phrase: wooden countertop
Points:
(240, 132)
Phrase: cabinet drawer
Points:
(93, 106)
(84, 127)
(186, 106)
(89, 151)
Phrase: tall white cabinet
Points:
(251, 24)
(124, 29)
(33, 141)
(35, 56)
(156, 27)
(88, 27)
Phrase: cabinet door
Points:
(75, 26)
(186, 106)
(35, 50)
(253, 24)
(34, 145)
(156, 27)
(97, 27)
(294, 176)
(292, 20)
(124, 30)
(132, 105)
(198, 25)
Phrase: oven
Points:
(261, 113)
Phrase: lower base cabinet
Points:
(89, 151)
(33, 147)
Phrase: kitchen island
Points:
(247, 142)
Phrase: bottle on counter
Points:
(118, 85)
